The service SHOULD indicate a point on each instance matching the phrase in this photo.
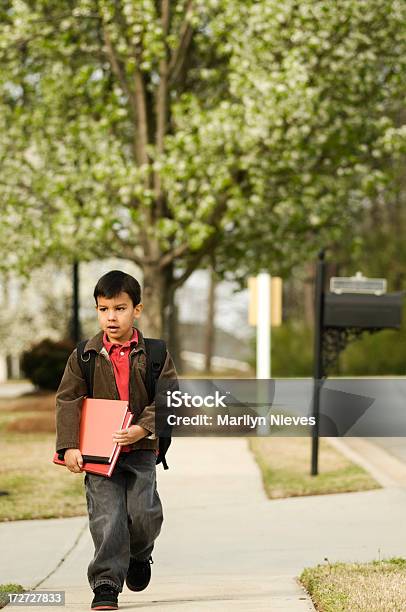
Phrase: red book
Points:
(107, 469)
(99, 420)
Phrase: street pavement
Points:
(395, 446)
(15, 388)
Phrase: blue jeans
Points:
(125, 516)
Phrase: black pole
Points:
(318, 357)
(75, 322)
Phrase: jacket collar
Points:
(96, 343)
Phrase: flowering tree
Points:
(34, 309)
(163, 132)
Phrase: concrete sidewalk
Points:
(224, 545)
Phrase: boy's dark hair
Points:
(115, 282)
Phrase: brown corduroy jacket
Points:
(72, 390)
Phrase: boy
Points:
(125, 512)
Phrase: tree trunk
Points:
(6, 306)
(171, 323)
(75, 331)
(211, 311)
(153, 298)
(160, 316)
(172, 335)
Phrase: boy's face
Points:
(116, 316)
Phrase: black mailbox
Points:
(363, 310)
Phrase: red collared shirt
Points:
(120, 358)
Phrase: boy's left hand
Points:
(129, 435)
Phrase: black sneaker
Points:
(105, 598)
(139, 574)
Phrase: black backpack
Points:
(155, 354)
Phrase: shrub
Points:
(44, 363)
(292, 350)
(382, 353)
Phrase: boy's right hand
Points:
(74, 460)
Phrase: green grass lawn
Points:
(34, 486)
(31, 486)
(285, 466)
(379, 586)
(8, 588)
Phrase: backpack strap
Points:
(86, 362)
(156, 355)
